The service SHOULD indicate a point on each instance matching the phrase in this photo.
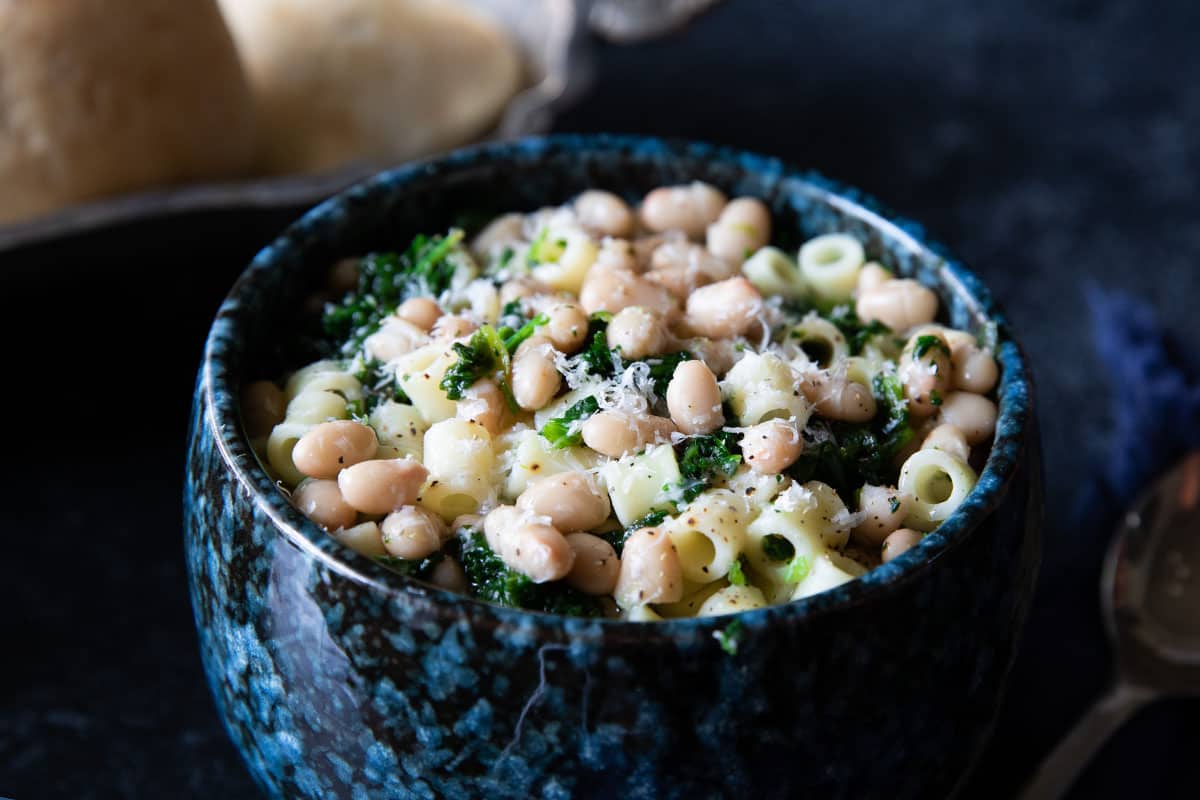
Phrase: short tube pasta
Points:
(830, 264)
(773, 273)
(316, 405)
(731, 600)
(459, 457)
(762, 387)
(708, 535)
(821, 342)
(623, 408)
(938, 483)
(280, 444)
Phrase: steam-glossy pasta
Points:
(763, 386)
(753, 428)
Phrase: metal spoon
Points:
(1150, 592)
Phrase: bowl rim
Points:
(1015, 421)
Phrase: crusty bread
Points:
(99, 97)
(378, 80)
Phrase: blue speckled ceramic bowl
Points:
(337, 678)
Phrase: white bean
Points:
(926, 372)
(899, 303)
(613, 290)
(413, 533)
(729, 308)
(566, 327)
(883, 509)
(322, 502)
(330, 447)
(898, 542)
(395, 338)
(519, 288)
(650, 571)
(837, 397)
(973, 414)
(771, 447)
(975, 369)
(450, 327)
(698, 265)
(679, 282)
(613, 433)
(690, 208)
(694, 398)
(420, 311)
(743, 227)
(506, 230)
(637, 333)
(872, 276)
(596, 566)
(617, 254)
(379, 487)
(604, 214)
(483, 403)
(573, 501)
(532, 548)
(535, 379)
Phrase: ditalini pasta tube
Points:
(624, 406)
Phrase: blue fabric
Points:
(1154, 404)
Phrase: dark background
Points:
(1047, 143)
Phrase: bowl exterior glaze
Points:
(337, 678)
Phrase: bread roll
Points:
(99, 97)
(379, 80)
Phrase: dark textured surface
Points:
(1045, 142)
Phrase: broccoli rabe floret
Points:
(483, 355)
(558, 431)
(385, 280)
(705, 458)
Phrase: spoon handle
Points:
(1056, 774)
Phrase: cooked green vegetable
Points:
(491, 580)
(846, 455)
(385, 280)
(379, 384)
(595, 353)
(737, 571)
(413, 568)
(926, 343)
(857, 332)
(798, 569)
(544, 250)
(706, 457)
(512, 316)
(484, 355)
(513, 339)
(895, 429)
(558, 430)
(777, 547)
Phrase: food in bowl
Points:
(598, 410)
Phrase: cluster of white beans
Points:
(686, 269)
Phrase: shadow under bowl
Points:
(336, 677)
